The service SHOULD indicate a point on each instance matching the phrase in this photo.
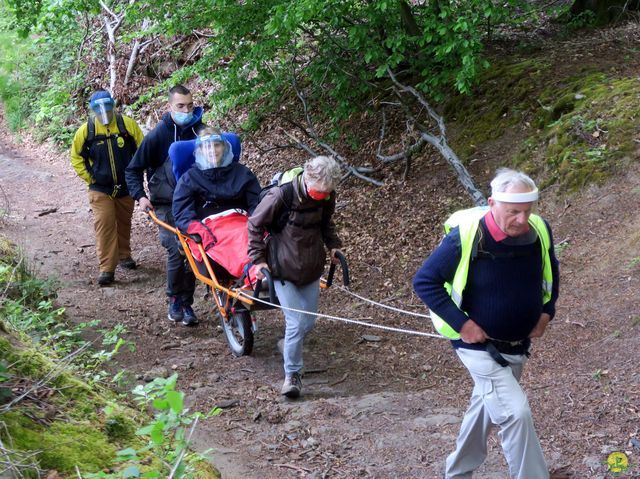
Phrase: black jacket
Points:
(200, 193)
(152, 154)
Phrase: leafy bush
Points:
(38, 73)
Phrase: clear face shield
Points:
(211, 152)
(103, 109)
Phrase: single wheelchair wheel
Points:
(237, 329)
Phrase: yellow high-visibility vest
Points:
(467, 222)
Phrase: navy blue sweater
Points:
(503, 294)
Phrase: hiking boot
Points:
(106, 278)
(128, 263)
(190, 318)
(175, 309)
(292, 386)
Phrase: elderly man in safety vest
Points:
(492, 285)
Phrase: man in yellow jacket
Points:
(101, 150)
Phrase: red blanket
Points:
(227, 244)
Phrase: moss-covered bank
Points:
(573, 124)
(50, 418)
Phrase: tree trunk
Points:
(461, 172)
(409, 20)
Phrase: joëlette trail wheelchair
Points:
(236, 298)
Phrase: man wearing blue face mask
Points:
(181, 122)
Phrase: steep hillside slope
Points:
(389, 407)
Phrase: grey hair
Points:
(506, 178)
(322, 172)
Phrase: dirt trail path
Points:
(384, 409)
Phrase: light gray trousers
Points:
(497, 398)
(298, 325)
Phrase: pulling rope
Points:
(344, 320)
(382, 305)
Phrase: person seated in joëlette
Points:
(213, 199)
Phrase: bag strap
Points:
(121, 128)
(91, 135)
(124, 133)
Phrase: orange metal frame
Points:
(210, 281)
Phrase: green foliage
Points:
(39, 73)
(582, 20)
(29, 309)
(10, 90)
(338, 50)
(168, 436)
(261, 51)
(71, 426)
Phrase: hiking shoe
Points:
(175, 309)
(190, 318)
(128, 263)
(105, 278)
(292, 386)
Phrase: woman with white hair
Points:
(298, 217)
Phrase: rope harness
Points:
(355, 321)
(490, 343)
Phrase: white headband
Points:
(528, 197)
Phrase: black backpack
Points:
(129, 141)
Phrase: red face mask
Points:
(317, 195)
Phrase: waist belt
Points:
(495, 354)
(496, 348)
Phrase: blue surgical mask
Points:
(181, 118)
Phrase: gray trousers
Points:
(298, 325)
(497, 398)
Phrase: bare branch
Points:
(302, 145)
(302, 99)
(350, 169)
(135, 52)
(108, 10)
(406, 153)
(266, 151)
(438, 141)
(112, 27)
(198, 33)
(437, 118)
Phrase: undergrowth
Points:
(56, 413)
(575, 129)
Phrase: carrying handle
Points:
(269, 279)
(345, 270)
